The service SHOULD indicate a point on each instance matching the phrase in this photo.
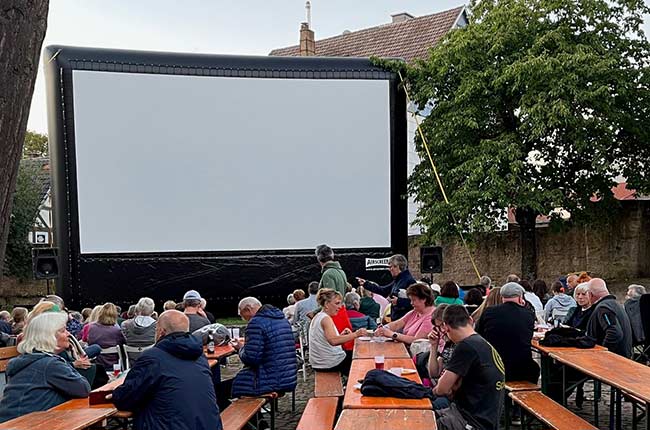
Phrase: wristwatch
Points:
(394, 336)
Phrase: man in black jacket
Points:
(402, 279)
(608, 325)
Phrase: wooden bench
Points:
(328, 384)
(514, 386)
(6, 354)
(319, 414)
(549, 412)
(240, 412)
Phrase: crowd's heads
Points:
(456, 316)
(95, 314)
(145, 307)
(169, 304)
(19, 315)
(583, 277)
(5, 316)
(572, 280)
(352, 300)
(557, 287)
(581, 294)
(539, 288)
(512, 292)
(486, 282)
(597, 290)
(494, 298)
(107, 314)
(76, 316)
(54, 299)
(512, 278)
(449, 289)
(326, 295)
(634, 291)
(192, 299)
(298, 294)
(324, 254)
(474, 297)
(526, 285)
(248, 307)
(291, 300)
(421, 291)
(171, 321)
(398, 263)
(436, 316)
(85, 313)
(131, 312)
(45, 333)
(42, 307)
(313, 287)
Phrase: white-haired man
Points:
(609, 325)
(141, 330)
(633, 308)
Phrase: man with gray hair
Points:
(486, 284)
(333, 275)
(608, 325)
(395, 292)
(633, 308)
(357, 319)
(140, 331)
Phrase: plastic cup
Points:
(379, 362)
(235, 333)
(116, 370)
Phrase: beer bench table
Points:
(623, 375)
(386, 419)
(220, 352)
(369, 349)
(354, 400)
(75, 419)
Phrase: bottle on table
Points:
(210, 342)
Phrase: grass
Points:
(231, 321)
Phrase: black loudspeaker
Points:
(45, 263)
(431, 259)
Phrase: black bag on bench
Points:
(567, 336)
(379, 383)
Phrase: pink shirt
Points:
(418, 325)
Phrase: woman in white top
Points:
(325, 352)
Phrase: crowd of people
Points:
(465, 344)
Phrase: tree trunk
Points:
(22, 29)
(526, 218)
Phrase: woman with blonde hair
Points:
(493, 299)
(39, 379)
(92, 319)
(107, 334)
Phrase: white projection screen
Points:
(175, 163)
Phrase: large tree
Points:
(22, 29)
(536, 105)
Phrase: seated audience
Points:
(632, 307)
(74, 327)
(608, 324)
(512, 278)
(395, 291)
(449, 294)
(169, 305)
(473, 299)
(92, 319)
(486, 285)
(170, 386)
(306, 306)
(474, 377)
(571, 283)
(416, 324)
(441, 348)
(509, 328)
(107, 334)
(192, 308)
(5, 325)
(531, 297)
(289, 311)
(268, 354)
(208, 314)
(325, 351)
(18, 317)
(541, 291)
(85, 314)
(368, 305)
(298, 294)
(39, 379)
(357, 319)
(578, 316)
(493, 299)
(558, 306)
(141, 330)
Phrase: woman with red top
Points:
(416, 324)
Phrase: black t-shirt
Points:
(197, 321)
(509, 328)
(480, 394)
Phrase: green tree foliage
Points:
(35, 145)
(27, 199)
(535, 105)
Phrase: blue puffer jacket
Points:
(269, 355)
(170, 387)
(37, 382)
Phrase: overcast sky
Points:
(208, 26)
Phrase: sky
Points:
(247, 27)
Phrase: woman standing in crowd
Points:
(39, 379)
(416, 324)
(325, 351)
(449, 294)
(107, 334)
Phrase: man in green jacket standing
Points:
(332, 275)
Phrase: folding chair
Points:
(122, 360)
(131, 353)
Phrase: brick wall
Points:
(620, 250)
(14, 293)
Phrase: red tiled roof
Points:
(408, 39)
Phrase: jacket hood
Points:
(143, 322)
(269, 311)
(331, 265)
(564, 300)
(23, 361)
(181, 345)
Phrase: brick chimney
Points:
(307, 41)
(401, 17)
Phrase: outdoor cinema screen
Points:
(178, 163)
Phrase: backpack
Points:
(379, 383)
(567, 336)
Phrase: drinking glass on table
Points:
(379, 362)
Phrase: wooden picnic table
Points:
(56, 419)
(386, 419)
(219, 353)
(618, 372)
(354, 400)
(369, 349)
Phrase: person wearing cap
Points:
(509, 328)
(192, 303)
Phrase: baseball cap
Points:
(192, 295)
(512, 289)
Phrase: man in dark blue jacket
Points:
(170, 385)
(402, 279)
(268, 354)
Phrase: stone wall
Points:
(15, 293)
(620, 250)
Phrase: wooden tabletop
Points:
(220, 352)
(354, 400)
(81, 404)
(612, 369)
(386, 419)
(368, 349)
(551, 349)
(75, 419)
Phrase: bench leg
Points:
(563, 385)
(647, 416)
(293, 401)
(612, 407)
(596, 401)
(633, 415)
(506, 411)
(619, 422)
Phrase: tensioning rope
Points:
(435, 172)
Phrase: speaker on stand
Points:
(45, 264)
(431, 259)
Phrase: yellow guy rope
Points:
(435, 172)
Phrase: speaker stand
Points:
(47, 281)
